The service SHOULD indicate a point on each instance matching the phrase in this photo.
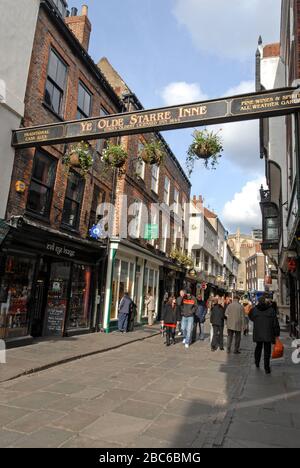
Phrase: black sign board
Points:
(245, 107)
(4, 230)
(56, 312)
(60, 250)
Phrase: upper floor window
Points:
(176, 201)
(155, 178)
(84, 102)
(167, 191)
(73, 200)
(99, 197)
(140, 164)
(56, 82)
(42, 184)
(61, 5)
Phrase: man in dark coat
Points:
(235, 324)
(217, 318)
(125, 309)
(266, 330)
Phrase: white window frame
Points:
(154, 178)
(176, 201)
(140, 164)
(167, 190)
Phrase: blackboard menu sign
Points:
(4, 230)
(56, 312)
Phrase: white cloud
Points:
(244, 210)
(181, 93)
(229, 29)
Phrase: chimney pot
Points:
(85, 10)
(74, 11)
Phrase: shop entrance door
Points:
(57, 299)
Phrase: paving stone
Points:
(117, 428)
(34, 421)
(9, 414)
(139, 409)
(177, 430)
(86, 442)
(65, 404)
(89, 393)
(265, 434)
(36, 400)
(7, 438)
(66, 388)
(75, 421)
(189, 409)
(153, 397)
(45, 438)
(99, 407)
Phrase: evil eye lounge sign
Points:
(245, 107)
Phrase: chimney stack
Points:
(80, 26)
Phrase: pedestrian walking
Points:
(150, 307)
(217, 319)
(125, 309)
(188, 311)
(200, 317)
(266, 330)
(247, 308)
(179, 300)
(169, 317)
(235, 324)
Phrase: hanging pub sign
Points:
(229, 109)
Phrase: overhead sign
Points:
(245, 107)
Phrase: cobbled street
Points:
(147, 395)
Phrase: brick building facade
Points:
(55, 279)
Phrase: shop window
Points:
(79, 309)
(73, 200)
(123, 281)
(151, 279)
(15, 289)
(42, 184)
(84, 102)
(56, 82)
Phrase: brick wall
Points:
(48, 36)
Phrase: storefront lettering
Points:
(60, 250)
(267, 104)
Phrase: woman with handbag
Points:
(266, 330)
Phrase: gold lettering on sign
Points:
(192, 111)
(86, 126)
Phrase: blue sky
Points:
(172, 50)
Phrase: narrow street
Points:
(147, 395)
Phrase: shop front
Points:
(48, 283)
(134, 270)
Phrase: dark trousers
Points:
(267, 354)
(237, 341)
(123, 322)
(218, 339)
(170, 332)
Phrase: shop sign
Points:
(60, 250)
(56, 313)
(4, 230)
(151, 232)
(243, 107)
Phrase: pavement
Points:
(144, 394)
(50, 352)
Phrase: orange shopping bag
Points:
(278, 350)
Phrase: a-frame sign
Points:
(229, 109)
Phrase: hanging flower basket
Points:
(79, 156)
(114, 156)
(181, 258)
(153, 153)
(207, 146)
